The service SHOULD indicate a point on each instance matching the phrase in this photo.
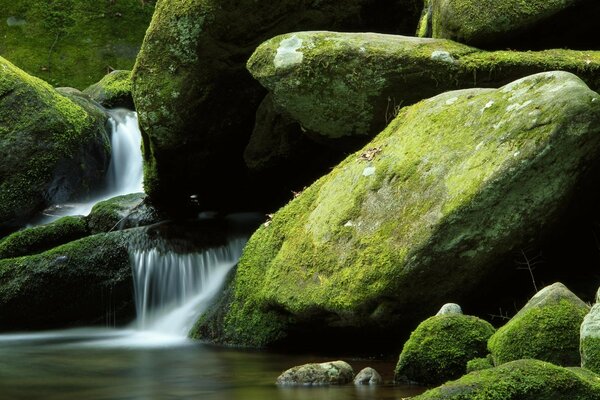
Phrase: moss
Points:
(520, 380)
(121, 212)
(50, 147)
(590, 353)
(479, 364)
(439, 349)
(455, 181)
(73, 42)
(113, 90)
(35, 240)
(549, 332)
(83, 282)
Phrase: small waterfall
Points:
(172, 289)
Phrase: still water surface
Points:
(111, 364)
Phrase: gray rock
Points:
(327, 373)
(590, 340)
(368, 376)
(450, 308)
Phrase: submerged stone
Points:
(368, 376)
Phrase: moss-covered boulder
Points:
(479, 364)
(518, 24)
(327, 373)
(546, 328)
(113, 90)
(51, 148)
(349, 86)
(590, 338)
(122, 212)
(73, 42)
(44, 237)
(520, 380)
(87, 281)
(439, 349)
(423, 213)
(196, 101)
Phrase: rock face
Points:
(520, 380)
(72, 42)
(328, 373)
(113, 90)
(347, 87)
(196, 101)
(368, 376)
(468, 176)
(590, 339)
(439, 349)
(501, 23)
(51, 148)
(546, 328)
(74, 284)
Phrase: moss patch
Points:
(113, 90)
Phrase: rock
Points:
(122, 212)
(51, 148)
(468, 176)
(113, 90)
(346, 87)
(196, 101)
(439, 349)
(546, 328)
(450, 308)
(479, 364)
(71, 42)
(328, 373)
(84, 282)
(506, 23)
(368, 376)
(520, 380)
(590, 340)
(41, 238)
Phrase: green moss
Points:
(590, 354)
(40, 238)
(121, 212)
(439, 349)
(520, 380)
(549, 333)
(73, 42)
(114, 90)
(479, 364)
(82, 282)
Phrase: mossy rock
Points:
(84, 282)
(520, 380)
(546, 328)
(113, 90)
(590, 339)
(468, 176)
(196, 101)
(439, 349)
(73, 42)
(479, 364)
(349, 86)
(40, 238)
(514, 24)
(122, 212)
(51, 148)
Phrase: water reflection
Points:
(65, 365)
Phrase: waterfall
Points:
(172, 289)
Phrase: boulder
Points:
(327, 373)
(84, 282)
(478, 364)
(346, 87)
(468, 176)
(520, 380)
(368, 376)
(70, 42)
(507, 23)
(546, 328)
(51, 148)
(113, 90)
(590, 339)
(122, 212)
(44, 237)
(450, 308)
(439, 349)
(196, 101)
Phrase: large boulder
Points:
(196, 101)
(546, 328)
(514, 24)
(51, 148)
(73, 42)
(439, 349)
(423, 213)
(520, 380)
(346, 87)
(84, 282)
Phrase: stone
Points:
(450, 308)
(368, 376)
(113, 90)
(122, 212)
(327, 373)
(590, 340)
